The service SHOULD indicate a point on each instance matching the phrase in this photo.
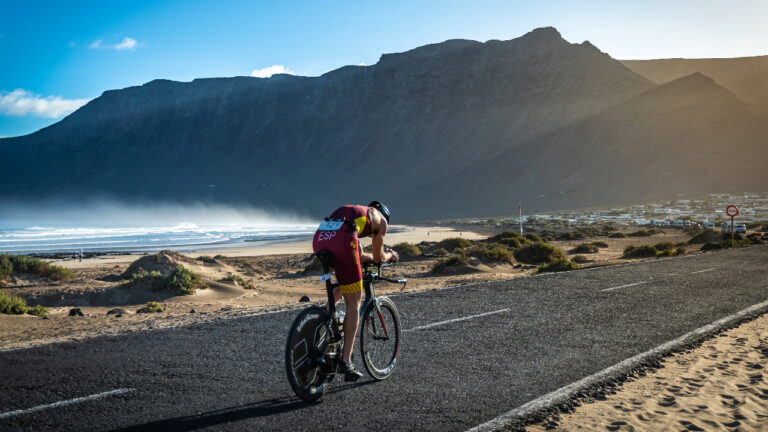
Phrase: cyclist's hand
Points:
(393, 256)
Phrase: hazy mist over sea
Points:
(109, 226)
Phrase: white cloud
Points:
(269, 71)
(127, 44)
(21, 102)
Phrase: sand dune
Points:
(721, 385)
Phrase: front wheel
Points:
(380, 338)
(307, 341)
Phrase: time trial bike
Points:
(316, 337)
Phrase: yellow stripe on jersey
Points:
(360, 222)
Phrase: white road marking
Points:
(705, 270)
(456, 320)
(67, 402)
(565, 393)
(624, 286)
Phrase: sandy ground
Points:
(721, 385)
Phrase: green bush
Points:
(239, 280)
(184, 281)
(600, 244)
(451, 261)
(581, 259)
(6, 267)
(490, 253)
(37, 310)
(538, 253)
(206, 259)
(585, 248)
(712, 246)
(663, 246)
(453, 243)
(533, 238)
(512, 242)
(707, 236)
(617, 235)
(680, 251)
(407, 250)
(181, 282)
(562, 264)
(640, 233)
(736, 243)
(10, 264)
(13, 305)
(504, 235)
(152, 307)
(644, 251)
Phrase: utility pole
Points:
(520, 215)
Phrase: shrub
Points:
(512, 242)
(600, 244)
(707, 236)
(666, 253)
(585, 248)
(239, 280)
(206, 259)
(562, 264)
(6, 267)
(451, 261)
(407, 250)
(220, 257)
(37, 310)
(182, 281)
(640, 252)
(453, 243)
(538, 253)
(711, 246)
(152, 307)
(617, 235)
(640, 233)
(663, 246)
(736, 243)
(504, 235)
(314, 266)
(533, 238)
(580, 259)
(13, 305)
(490, 253)
(680, 251)
(10, 264)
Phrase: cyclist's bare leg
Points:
(336, 297)
(351, 318)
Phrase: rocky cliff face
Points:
(450, 129)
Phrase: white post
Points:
(520, 216)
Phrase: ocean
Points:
(180, 237)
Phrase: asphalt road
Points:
(229, 375)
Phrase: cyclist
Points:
(339, 234)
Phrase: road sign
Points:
(732, 211)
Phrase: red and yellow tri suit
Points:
(341, 239)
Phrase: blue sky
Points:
(58, 54)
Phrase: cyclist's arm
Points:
(378, 254)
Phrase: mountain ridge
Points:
(458, 128)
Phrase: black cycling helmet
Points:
(381, 208)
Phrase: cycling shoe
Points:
(349, 371)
